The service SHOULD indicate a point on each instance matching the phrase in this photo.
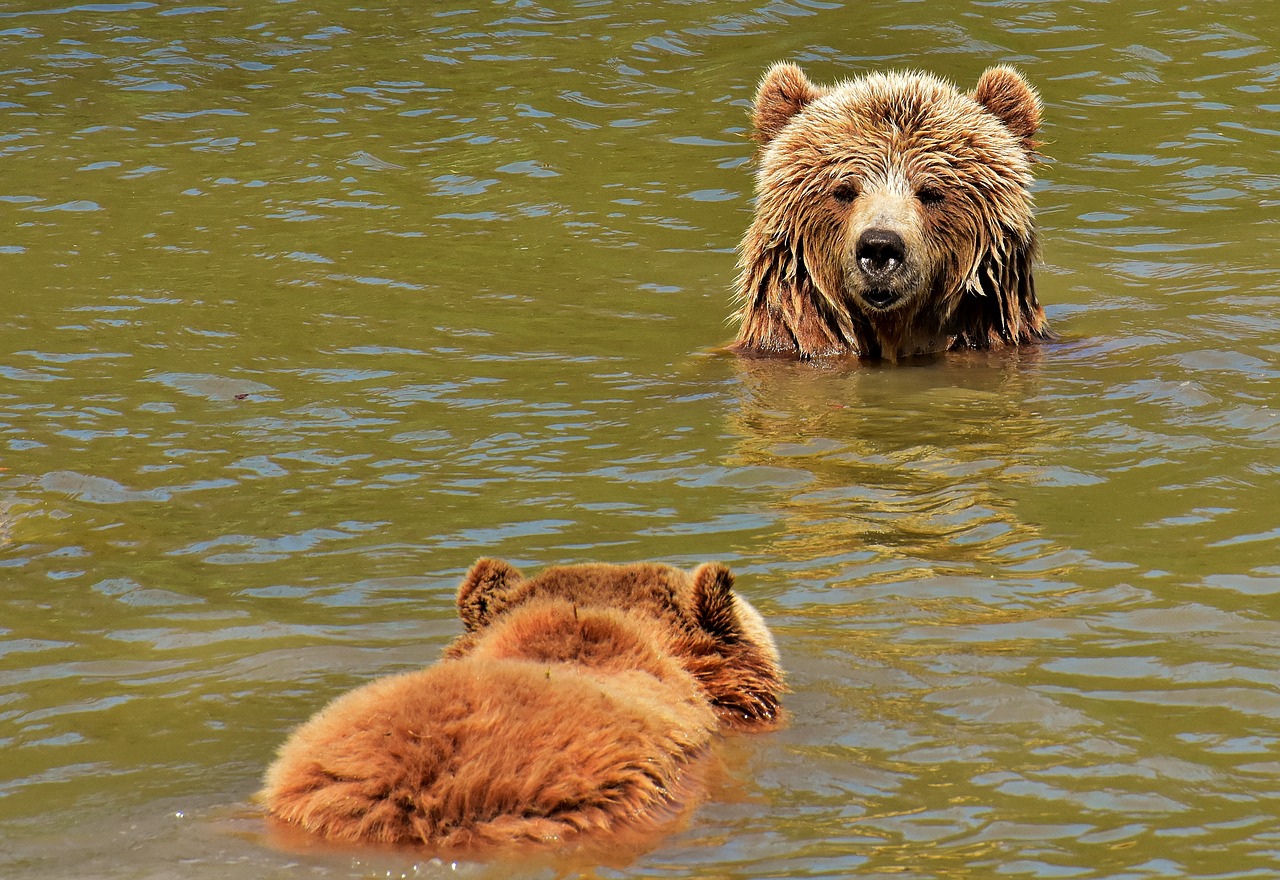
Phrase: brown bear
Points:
(893, 216)
(575, 702)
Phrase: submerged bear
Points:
(893, 217)
(576, 702)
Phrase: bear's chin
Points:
(877, 300)
(886, 294)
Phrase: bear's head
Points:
(893, 216)
(713, 633)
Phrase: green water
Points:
(308, 305)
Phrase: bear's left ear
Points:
(490, 587)
(783, 93)
(1010, 98)
(713, 607)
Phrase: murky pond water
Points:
(307, 305)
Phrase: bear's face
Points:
(716, 635)
(893, 190)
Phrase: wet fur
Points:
(950, 172)
(577, 702)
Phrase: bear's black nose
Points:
(880, 253)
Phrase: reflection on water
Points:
(310, 305)
(909, 473)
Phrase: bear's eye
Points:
(930, 195)
(844, 193)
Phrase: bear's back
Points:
(485, 750)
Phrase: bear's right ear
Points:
(783, 93)
(489, 588)
(713, 607)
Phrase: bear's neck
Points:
(999, 306)
(783, 310)
(557, 631)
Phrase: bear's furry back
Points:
(554, 719)
(479, 752)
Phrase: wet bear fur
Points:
(893, 216)
(573, 704)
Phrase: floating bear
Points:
(576, 702)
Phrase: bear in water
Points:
(576, 702)
(893, 217)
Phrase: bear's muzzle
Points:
(880, 255)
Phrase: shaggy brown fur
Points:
(574, 702)
(893, 216)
